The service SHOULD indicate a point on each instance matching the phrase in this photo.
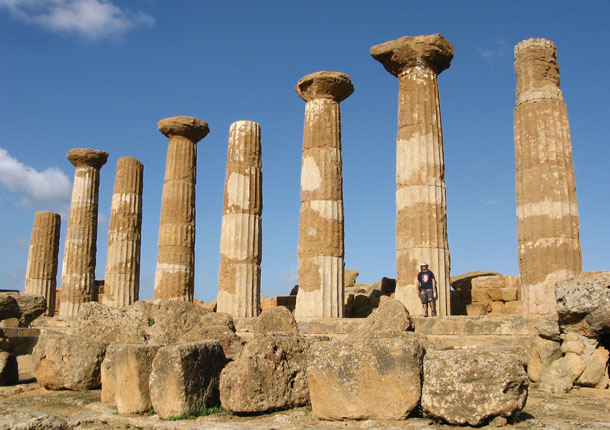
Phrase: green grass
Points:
(199, 411)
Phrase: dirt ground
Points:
(27, 406)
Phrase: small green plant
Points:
(85, 390)
(577, 384)
(150, 412)
(127, 426)
(199, 410)
(151, 322)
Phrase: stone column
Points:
(41, 272)
(240, 239)
(78, 272)
(175, 274)
(321, 248)
(421, 210)
(547, 211)
(122, 279)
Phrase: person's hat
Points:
(423, 264)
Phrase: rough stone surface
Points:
(596, 367)
(583, 304)
(186, 376)
(472, 386)
(41, 271)
(108, 372)
(268, 374)
(241, 234)
(548, 328)
(9, 369)
(365, 378)
(321, 245)
(32, 420)
(25, 307)
(559, 377)
(542, 353)
(276, 320)
(547, 210)
(133, 364)
(8, 307)
(390, 319)
(421, 210)
(349, 277)
(78, 270)
(122, 278)
(67, 361)
(175, 271)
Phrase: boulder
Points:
(268, 374)
(349, 277)
(133, 365)
(542, 353)
(111, 325)
(185, 377)
(276, 320)
(108, 374)
(29, 307)
(67, 361)
(390, 319)
(20, 419)
(559, 377)
(9, 369)
(583, 304)
(365, 378)
(8, 307)
(596, 366)
(548, 328)
(470, 386)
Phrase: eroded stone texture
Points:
(241, 236)
(41, 271)
(421, 209)
(133, 365)
(321, 247)
(176, 260)
(547, 210)
(78, 271)
(122, 279)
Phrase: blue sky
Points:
(100, 74)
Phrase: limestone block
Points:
(28, 307)
(548, 328)
(133, 365)
(497, 308)
(185, 376)
(481, 296)
(20, 419)
(471, 386)
(276, 320)
(8, 307)
(561, 374)
(9, 322)
(268, 374)
(390, 319)
(350, 277)
(513, 308)
(476, 309)
(573, 346)
(9, 369)
(542, 353)
(596, 367)
(108, 373)
(504, 294)
(365, 378)
(67, 361)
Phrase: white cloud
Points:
(92, 19)
(292, 276)
(490, 54)
(48, 190)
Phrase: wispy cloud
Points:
(91, 19)
(491, 54)
(49, 189)
(291, 276)
(489, 202)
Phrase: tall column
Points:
(122, 279)
(547, 211)
(78, 272)
(421, 209)
(240, 239)
(321, 248)
(41, 272)
(175, 274)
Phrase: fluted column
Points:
(122, 279)
(421, 209)
(547, 211)
(241, 236)
(175, 275)
(321, 248)
(41, 271)
(78, 272)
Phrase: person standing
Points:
(426, 288)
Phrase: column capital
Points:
(194, 129)
(431, 51)
(536, 66)
(82, 157)
(325, 85)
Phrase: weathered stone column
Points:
(547, 211)
(175, 274)
(240, 239)
(321, 248)
(421, 209)
(122, 279)
(41, 272)
(78, 272)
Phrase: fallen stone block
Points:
(365, 378)
(276, 320)
(268, 374)
(390, 319)
(108, 374)
(476, 309)
(67, 361)
(185, 377)
(28, 307)
(31, 420)
(472, 386)
(133, 365)
(9, 369)
(559, 377)
(596, 366)
(542, 353)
